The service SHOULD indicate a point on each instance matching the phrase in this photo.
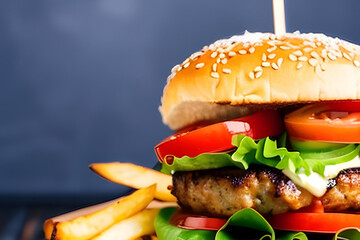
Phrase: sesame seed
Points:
(214, 75)
(252, 75)
(212, 47)
(222, 55)
(318, 43)
(275, 66)
(179, 69)
(264, 58)
(299, 65)
(272, 56)
(308, 43)
(338, 54)
(292, 57)
(323, 54)
(175, 68)
(302, 59)
(348, 47)
(356, 63)
(258, 74)
(214, 54)
(284, 47)
(196, 55)
(318, 68)
(271, 49)
(308, 49)
(186, 61)
(232, 54)
(314, 55)
(265, 64)
(218, 60)
(224, 61)
(313, 61)
(347, 56)
(214, 67)
(280, 61)
(293, 46)
(199, 65)
(251, 50)
(331, 56)
(243, 52)
(186, 65)
(226, 70)
(258, 69)
(298, 53)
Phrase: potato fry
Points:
(135, 176)
(136, 226)
(90, 225)
(50, 223)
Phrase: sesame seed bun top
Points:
(234, 76)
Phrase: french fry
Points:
(135, 176)
(89, 225)
(136, 226)
(50, 223)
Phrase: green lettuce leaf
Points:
(347, 234)
(267, 152)
(318, 160)
(166, 231)
(245, 224)
(239, 224)
(200, 162)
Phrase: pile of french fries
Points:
(129, 217)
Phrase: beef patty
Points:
(222, 192)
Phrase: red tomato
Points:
(196, 222)
(314, 222)
(314, 219)
(315, 207)
(326, 122)
(217, 137)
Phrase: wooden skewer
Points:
(279, 17)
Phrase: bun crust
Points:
(236, 76)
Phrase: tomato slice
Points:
(217, 137)
(196, 222)
(326, 122)
(314, 222)
(314, 219)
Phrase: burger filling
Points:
(269, 162)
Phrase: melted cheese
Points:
(315, 183)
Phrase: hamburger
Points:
(266, 142)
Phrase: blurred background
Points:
(81, 82)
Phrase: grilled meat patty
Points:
(222, 192)
(343, 191)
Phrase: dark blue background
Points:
(81, 80)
